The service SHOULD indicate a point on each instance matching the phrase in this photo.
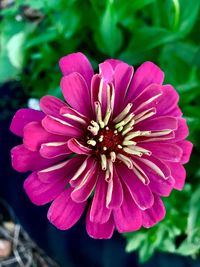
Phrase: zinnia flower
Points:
(116, 144)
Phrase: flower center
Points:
(114, 139)
(107, 140)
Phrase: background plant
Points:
(35, 34)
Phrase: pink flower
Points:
(118, 144)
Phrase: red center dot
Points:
(109, 142)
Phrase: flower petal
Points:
(22, 117)
(24, 160)
(97, 230)
(148, 95)
(182, 130)
(157, 184)
(65, 170)
(186, 147)
(157, 124)
(122, 79)
(114, 195)
(76, 93)
(141, 193)
(168, 102)
(99, 213)
(164, 151)
(145, 75)
(128, 217)
(113, 62)
(35, 135)
(84, 189)
(76, 147)
(155, 214)
(99, 92)
(178, 173)
(74, 117)
(77, 62)
(60, 127)
(156, 165)
(64, 212)
(51, 105)
(54, 149)
(84, 171)
(106, 71)
(42, 193)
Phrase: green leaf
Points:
(45, 37)
(15, 49)
(188, 14)
(8, 71)
(145, 39)
(191, 245)
(135, 241)
(194, 213)
(138, 4)
(108, 36)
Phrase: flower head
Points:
(117, 143)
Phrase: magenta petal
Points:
(156, 165)
(157, 184)
(24, 160)
(182, 130)
(186, 147)
(106, 71)
(54, 149)
(168, 102)
(178, 173)
(43, 193)
(60, 127)
(22, 117)
(35, 135)
(114, 195)
(145, 75)
(153, 91)
(74, 117)
(164, 151)
(158, 124)
(113, 62)
(77, 62)
(51, 105)
(82, 173)
(99, 92)
(97, 230)
(99, 213)
(64, 212)
(84, 189)
(141, 193)
(65, 170)
(122, 79)
(76, 93)
(128, 217)
(155, 214)
(76, 147)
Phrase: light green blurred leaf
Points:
(45, 37)
(135, 241)
(108, 36)
(188, 14)
(15, 49)
(191, 245)
(141, 45)
(194, 214)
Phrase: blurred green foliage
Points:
(35, 34)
